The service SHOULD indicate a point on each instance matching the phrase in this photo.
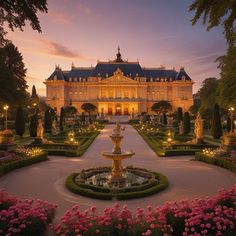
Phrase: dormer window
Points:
(183, 78)
(75, 79)
(106, 75)
(137, 74)
(162, 79)
(151, 79)
(170, 79)
(80, 79)
(55, 77)
(70, 79)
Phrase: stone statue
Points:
(198, 128)
(181, 127)
(54, 127)
(40, 128)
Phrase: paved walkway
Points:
(188, 179)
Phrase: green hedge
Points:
(163, 184)
(68, 150)
(106, 194)
(216, 161)
(22, 163)
(73, 187)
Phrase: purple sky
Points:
(156, 32)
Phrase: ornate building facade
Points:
(118, 87)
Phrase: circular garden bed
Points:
(94, 183)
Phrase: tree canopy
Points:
(227, 83)
(12, 77)
(215, 13)
(208, 92)
(162, 106)
(15, 13)
(88, 107)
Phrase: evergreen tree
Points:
(48, 121)
(13, 87)
(20, 122)
(179, 114)
(34, 93)
(33, 125)
(164, 119)
(186, 123)
(216, 128)
(62, 119)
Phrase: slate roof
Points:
(130, 69)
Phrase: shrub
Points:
(179, 114)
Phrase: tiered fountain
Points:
(119, 182)
(117, 176)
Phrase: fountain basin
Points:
(118, 156)
(95, 183)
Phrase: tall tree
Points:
(33, 125)
(15, 13)
(227, 84)
(70, 110)
(215, 13)
(12, 77)
(208, 92)
(48, 120)
(216, 128)
(179, 114)
(34, 93)
(20, 122)
(88, 107)
(62, 119)
(161, 107)
(186, 123)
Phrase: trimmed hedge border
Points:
(22, 163)
(107, 194)
(216, 161)
(73, 187)
(174, 150)
(70, 150)
(163, 184)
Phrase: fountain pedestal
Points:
(117, 174)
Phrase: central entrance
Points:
(118, 109)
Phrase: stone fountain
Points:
(117, 174)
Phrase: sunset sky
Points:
(156, 32)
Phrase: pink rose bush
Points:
(24, 217)
(209, 216)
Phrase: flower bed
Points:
(25, 157)
(24, 217)
(219, 161)
(209, 216)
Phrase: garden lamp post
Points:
(6, 107)
(231, 111)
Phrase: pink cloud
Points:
(57, 49)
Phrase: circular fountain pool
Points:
(136, 182)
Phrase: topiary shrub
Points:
(187, 124)
(20, 122)
(33, 125)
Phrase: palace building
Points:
(119, 87)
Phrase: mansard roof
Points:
(129, 69)
(107, 69)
